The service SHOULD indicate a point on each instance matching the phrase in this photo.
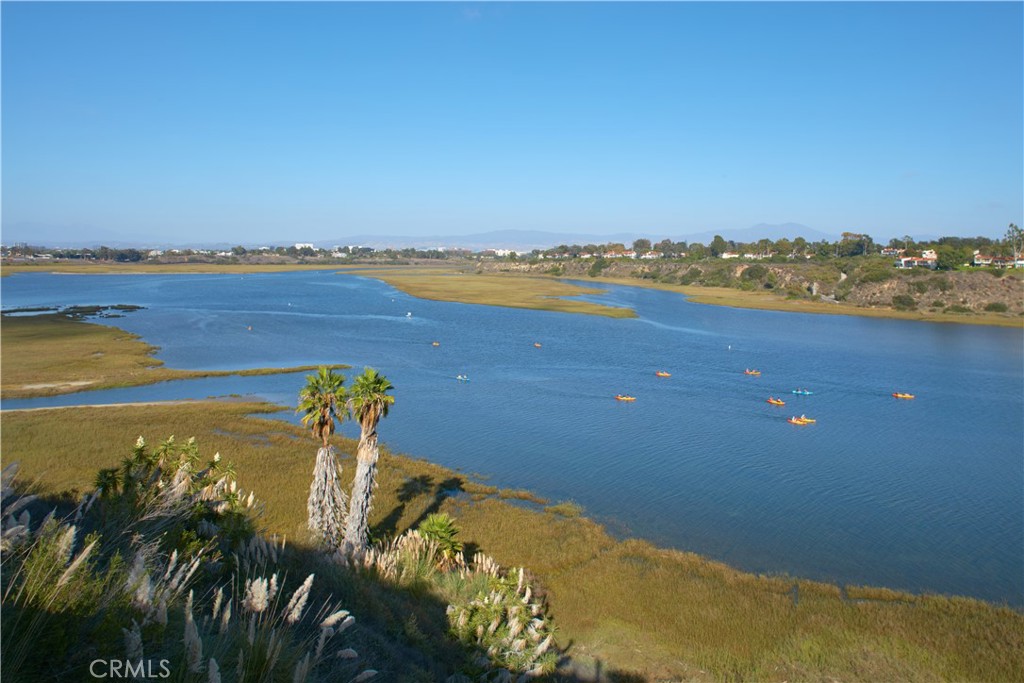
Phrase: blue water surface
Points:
(923, 495)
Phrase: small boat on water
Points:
(620, 397)
(537, 344)
(662, 373)
(462, 378)
(806, 420)
(776, 401)
(748, 371)
(902, 395)
(802, 392)
(436, 344)
(797, 421)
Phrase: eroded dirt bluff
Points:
(876, 288)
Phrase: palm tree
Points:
(320, 401)
(368, 402)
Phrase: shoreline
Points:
(714, 296)
(530, 502)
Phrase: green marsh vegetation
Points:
(445, 283)
(645, 611)
(58, 352)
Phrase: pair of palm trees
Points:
(323, 401)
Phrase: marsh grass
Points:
(53, 353)
(493, 289)
(647, 610)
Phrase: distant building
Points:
(916, 262)
(893, 251)
(303, 245)
(730, 254)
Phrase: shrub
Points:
(692, 274)
(506, 621)
(755, 272)
(875, 271)
(599, 264)
(996, 272)
(441, 529)
(956, 308)
(904, 302)
(996, 307)
(920, 287)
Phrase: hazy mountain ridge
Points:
(53, 236)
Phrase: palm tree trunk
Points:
(357, 525)
(326, 505)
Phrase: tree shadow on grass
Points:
(413, 489)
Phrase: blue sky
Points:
(257, 122)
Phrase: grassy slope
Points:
(655, 612)
(52, 354)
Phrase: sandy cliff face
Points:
(929, 290)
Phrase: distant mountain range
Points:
(518, 240)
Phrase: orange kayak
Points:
(901, 395)
(662, 373)
(620, 397)
(776, 401)
(752, 372)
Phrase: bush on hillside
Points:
(996, 307)
(904, 302)
(133, 574)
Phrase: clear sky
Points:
(257, 122)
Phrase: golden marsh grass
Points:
(50, 354)
(627, 603)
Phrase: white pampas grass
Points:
(298, 602)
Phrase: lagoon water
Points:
(924, 495)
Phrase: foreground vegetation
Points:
(58, 352)
(625, 608)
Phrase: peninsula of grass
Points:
(445, 283)
(626, 610)
(56, 353)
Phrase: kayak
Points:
(901, 395)
(536, 344)
(437, 343)
(776, 401)
(662, 373)
(620, 397)
(752, 372)
(802, 392)
(800, 421)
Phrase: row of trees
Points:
(325, 401)
(849, 245)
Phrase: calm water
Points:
(924, 495)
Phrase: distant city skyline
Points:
(262, 122)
